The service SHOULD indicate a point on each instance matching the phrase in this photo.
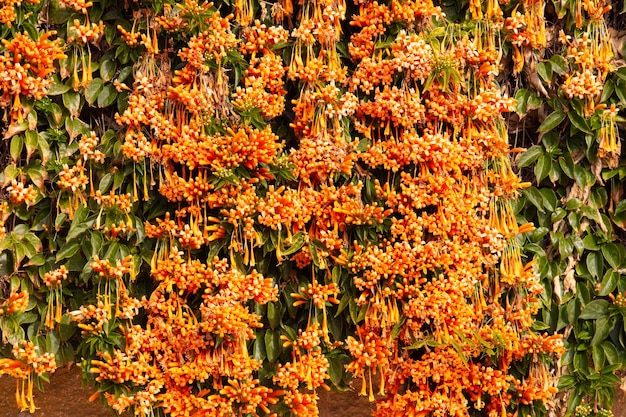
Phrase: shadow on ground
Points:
(66, 396)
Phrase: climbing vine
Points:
(220, 209)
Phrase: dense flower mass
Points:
(26, 65)
(220, 208)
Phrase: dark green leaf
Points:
(609, 88)
(594, 264)
(545, 71)
(107, 96)
(550, 200)
(530, 156)
(272, 345)
(71, 101)
(93, 90)
(107, 69)
(609, 282)
(57, 87)
(273, 314)
(52, 342)
(559, 64)
(259, 347)
(521, 100)
(597, 354)
(579, 122)
(67, 251)
(614, 254)
(596, 309)
(610, 352)
(533, 195)
(602, 328)
(552, 121)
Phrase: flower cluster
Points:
(20, 193)
(277, 206)
(26, 65)
(432, 288)
(27, 364)
(8, 13)
(15, 303)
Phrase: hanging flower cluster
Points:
(28, 362)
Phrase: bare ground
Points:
(66, 396)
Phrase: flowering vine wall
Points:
(220, 209)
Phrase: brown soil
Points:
(66, 396)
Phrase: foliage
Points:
(218, 209)
(576, 202)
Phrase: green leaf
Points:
(57, 88)
(620, 90)
(596, 309)
(52, 342)
(613, 253)
(107, 69)
(259, 347)
(610, 352)
(609, 89)
(37, 260)
(124, 73)
(580, 175)
(597, 354)
(550, 201)
(603, 326)
(544, 69)
(71, 101)
(579, 122)
(343, 303)
(93, 90)
(521, 100)
(76, 127)
(573, 204)
(79, 224)
(559, 64)
(105, 183)
(67, 327)
(598, 197)
(530, 156)
(44, 149)
(609, 282)
(272, 345)
(274, 314)
(10, 173)
(335, 370)
(552, 121)
(566, 247)
(533, 195)
(589, 242)
(534, 102)
(31, 140)
(38, 175)
(107, 96)
(566, 382)
(297, 241)
(15, 149)
(67, 251)
(594, 264)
